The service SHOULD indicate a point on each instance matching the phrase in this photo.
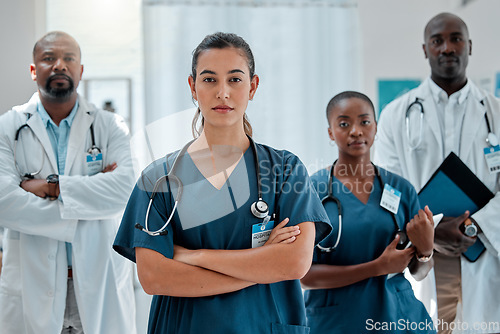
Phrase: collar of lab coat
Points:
(84, 117)
(474, 114)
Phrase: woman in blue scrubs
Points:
(351, 288)
(216, 268)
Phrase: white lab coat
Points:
(480, 280)
(34, 275)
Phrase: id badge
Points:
(261, 232)
(94, 163)
(390, 199)
(492, 155)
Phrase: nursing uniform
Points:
(378, 304)
(261, 308)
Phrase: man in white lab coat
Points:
(457, 117)
(66, 174)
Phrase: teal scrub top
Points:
(377, 304)
(262, 308)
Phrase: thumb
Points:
(428, 212)
(394, 242)
(463, 217)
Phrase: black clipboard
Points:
(452, 189)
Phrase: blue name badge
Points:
(261, 232)
(390, 199)
(492, 155)
(94, 163)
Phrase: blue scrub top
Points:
(262, 308)
(377, 304)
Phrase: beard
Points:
(59, 93)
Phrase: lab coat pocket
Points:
(11, 272)
(288, 329)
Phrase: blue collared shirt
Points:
(59, 137)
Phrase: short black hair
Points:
(349, 94)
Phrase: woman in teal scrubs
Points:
(216, 269)
(348, 288)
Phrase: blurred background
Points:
(137, 57)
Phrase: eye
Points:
(366, 122)
(235, 79)
(343, 124)
(208, 79)
(436, 41)
(69, 59)
(48, 58)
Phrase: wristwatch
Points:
(53, 181)
(425, 258)
(470, 229)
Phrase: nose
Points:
(355, 131)
(448, 47)
(223, 91)
(60, 65)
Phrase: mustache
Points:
(444, 58)
(59, 76)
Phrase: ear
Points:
(425, 51)
(192, 86)
(253, 86)
(470, 47)
(330, 134)
(33, 72)
(81, 71)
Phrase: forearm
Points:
(324, 276)
(266, 264)
(163, 276)
(419, 270)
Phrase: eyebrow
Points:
(456, 33)
(359, 116)
(230, 72)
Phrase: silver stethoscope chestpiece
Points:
(492, 139)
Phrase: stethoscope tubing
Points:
(330, 197)
(491, 139)
(260, 208)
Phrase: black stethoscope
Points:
(260, 208)
(331, 198)
(93, 150)
(491, 139)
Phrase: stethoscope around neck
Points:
(93, 150)
(491, 139)
(260, 208)
(330, 198)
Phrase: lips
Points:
(222, 109)
(448, 60)
(59, 78)
(357, 143)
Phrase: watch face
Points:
(53, 178)
(471, 230)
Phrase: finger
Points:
(429, 213)
(283, 236)
(464, 216)
(282, 223)
(394, 242)
(288, 241)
